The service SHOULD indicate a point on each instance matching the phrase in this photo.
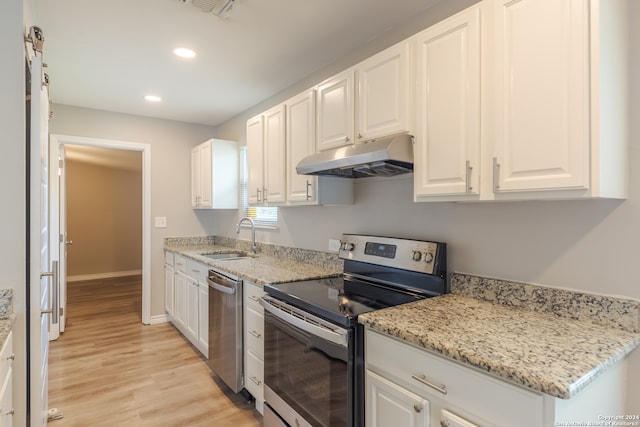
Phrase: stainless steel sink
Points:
(228, 256)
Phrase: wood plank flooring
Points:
(108, 369)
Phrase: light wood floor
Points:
(108, 369)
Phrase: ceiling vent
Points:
(221, 8)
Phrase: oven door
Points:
(308, 367)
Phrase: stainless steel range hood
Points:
(387, 156)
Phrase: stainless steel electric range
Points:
(314, 346)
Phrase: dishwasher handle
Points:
(222, 283)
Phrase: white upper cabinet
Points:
(214, 175)
(447, 149)
(301, 142)
(266, 157)
(335, 111)
(549, 120)
(301, 138)
(255, 159)
(274, 156)
(384, 95)
(542, 95)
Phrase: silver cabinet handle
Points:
(55, 306)
(423, 380)
(255, 334)
(467, 178)
(308, 192)
(254, 298)
(346, 139)
(256, 380)
(496, 175)
(12, 357)
(10, 412)
(418, 408)
(258, 194)
(195, 270)
(264, 195)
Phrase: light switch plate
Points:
(334, 245)
(161, 222)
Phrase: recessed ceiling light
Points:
(153, 98)
(184, 52)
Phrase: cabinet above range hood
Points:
(387, 156)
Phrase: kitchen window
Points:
(263, 216)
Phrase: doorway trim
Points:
(56, 140)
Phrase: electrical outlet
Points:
(161, 222)
(334, 245)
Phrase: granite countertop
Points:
(262, 268)
(542, 351)
(7, 317)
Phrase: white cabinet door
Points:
(180, 307)
(255, 159)
(542, 95)
(384, 96)
(301, 142)
(203, 318)
(196, 190)
(389, 405)
(274, 156)
(206, 174)
(169, 277)
(192, 310)
(335, 112)
(447, 149)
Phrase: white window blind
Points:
(265, 216)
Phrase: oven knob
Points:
(346, 246)
(428, 257)
(416, 255)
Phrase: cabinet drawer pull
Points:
(496, 175)
(255, 334)
(12, 357)
(254, 298)
(195, 270)
(10, 412)
(423, 380)
(467, 178)
(256, 380)
(418, 408)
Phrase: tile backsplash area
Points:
(6, 302)
(605, 310)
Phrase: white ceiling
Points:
(108, 54)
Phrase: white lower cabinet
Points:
(389, 404)
(6, 382)
(408, 386)
(254, 343)
(187, 294)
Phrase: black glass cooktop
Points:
(338, 299)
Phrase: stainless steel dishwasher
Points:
(225, 328)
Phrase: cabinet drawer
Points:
(180, 263)
(255, 331)
(254, 375)
(197, 271)
(168, 257)
(468, 391)
(252, 294)
(6, 357)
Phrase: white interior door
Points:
(42, 271)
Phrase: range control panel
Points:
(408, 254)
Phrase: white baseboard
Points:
(155, 320)
(99, 276)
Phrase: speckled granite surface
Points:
(7, 316)
(272, 264)
(554, 355)
(601, 309)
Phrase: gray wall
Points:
(171, 144)
(589, 245)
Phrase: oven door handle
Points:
(337, 336)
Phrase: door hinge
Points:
(61, 311)
(61, 238)
(61, 163)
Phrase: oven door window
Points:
(309, 373)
